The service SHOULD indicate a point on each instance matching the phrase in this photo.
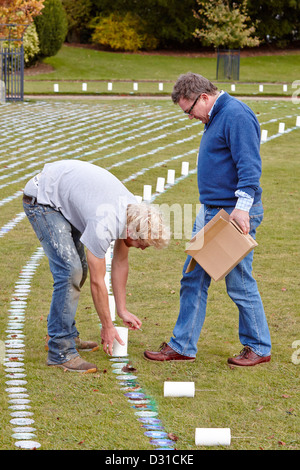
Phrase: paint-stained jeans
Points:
(241, 288)
(67, 261)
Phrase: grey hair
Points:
(191, 85)
(145, 222)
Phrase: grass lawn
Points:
(139, 141)
(80, 64)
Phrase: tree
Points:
(225, 25)
(279, 20)
(79, 14)
(122, 32)
(51, 27)
(171, 22)
(20, 13)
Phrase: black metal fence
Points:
(11, 62)
(228, 64)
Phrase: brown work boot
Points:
(79, 344)
(76, 364)
(247, 357)
(166, 353)
(85, 345)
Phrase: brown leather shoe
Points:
(166, 353)
(248, 358)
(79, 344)
(86, 345)
(77, 364)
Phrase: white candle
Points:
(171, 177)
(118, 349)
(264, 135)
(147, 192)
(160, 185)
(179, 389)
(212, 437)
(185, 168)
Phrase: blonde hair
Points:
(145, 222)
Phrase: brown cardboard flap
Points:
(219, 246)
(191, 265)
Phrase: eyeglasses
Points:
(192, 107)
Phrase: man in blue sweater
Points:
(229, 170)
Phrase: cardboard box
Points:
(219, 246)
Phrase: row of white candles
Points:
(109, 86)
(160, 87)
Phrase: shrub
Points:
(51, 27)
(31, 45)
(125, 33)
(78, 16)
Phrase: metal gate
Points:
(11, 62)
(228, 65)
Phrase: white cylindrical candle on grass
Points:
(160, 86)
(281, 127)
(261, 88)
(147, 192)
(284, 87)
(160, 185)
(264, 135)
(120, 350)
(298, 121)
(109, 86)
(84, 87)
(233, 87)
(212, 437)
(135, 87)
(179, 389)
(171, 177)
(56, 87)
(185, 168)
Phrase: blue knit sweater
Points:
(229, 157)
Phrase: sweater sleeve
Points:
(242, 133)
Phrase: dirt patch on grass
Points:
(38, 68)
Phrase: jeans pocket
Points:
(31, 213)
(255, 221)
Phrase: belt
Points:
(213, 207)
(29, 199)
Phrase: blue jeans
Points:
(241, 288)
(67, 261)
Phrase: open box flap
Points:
(212, 229)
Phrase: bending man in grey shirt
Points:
(73, 205)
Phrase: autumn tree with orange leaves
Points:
(19, 13)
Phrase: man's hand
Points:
(242, 219)
(131, 321)
(108, 335)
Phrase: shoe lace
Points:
(245, 351)
(162, 346)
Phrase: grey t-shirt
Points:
(93, 200)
